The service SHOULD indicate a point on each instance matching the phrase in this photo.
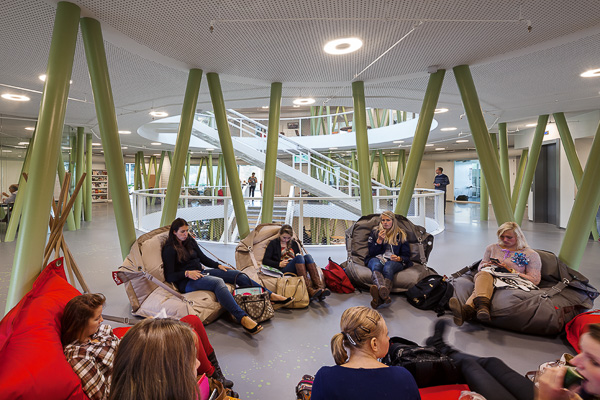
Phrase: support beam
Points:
(216, 95)
(519, 177)
(136, 172)
(401, 167)
(109, 131)
(61, 179)
(181, 146)
(384, 167)
(362, 147)
(268, 193)
(419, 141)
(584, 209)
(188, 165)
(87, 201)
(78, 174)
(29, 251)
(503, 155)
(483, 144)
(484, 200)
(534, 155)
(199, 171)
(145, 173)
(574, 163)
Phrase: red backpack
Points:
(336, 278)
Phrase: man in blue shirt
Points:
(440, 182)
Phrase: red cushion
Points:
(32, 362)
(444, 392)
(579, 325)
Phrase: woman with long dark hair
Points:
(184, 262)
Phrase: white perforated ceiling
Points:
(150, 45)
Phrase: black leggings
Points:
(493, 379)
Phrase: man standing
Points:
(252, 184)
(440, 182)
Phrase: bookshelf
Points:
(99, 185)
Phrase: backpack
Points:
(304, 387)
(426, 364)
(431, 293)
(336, 278)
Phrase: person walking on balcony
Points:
(440, 182)
(252, 184)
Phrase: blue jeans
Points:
(388, 270)
(299, 259)
(233, 276)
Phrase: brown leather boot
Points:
(388, 286)
(461, 312)
(482, 306)
(317, 282)
(377, 288)
(313, 292)
(379, 281)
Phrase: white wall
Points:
(9, 173)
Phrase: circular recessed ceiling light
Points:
(304, 101)
(440, 148)
(155, 144)
(591, 73)
(428, 145)
(462, 141)
(124, 132)
(30, 128)
(159, 114)
(450, 128)
(342, 46)
(398, 141)
(531, 125)
(440, 110)
(15, 97)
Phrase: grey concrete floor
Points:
(269, 365)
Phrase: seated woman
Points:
(183, 264)
(389, 253)
(90, 346)
(284, 254)
(512, 254)
(587, 362)
(157, 360)
(361, 376)
(10, 198)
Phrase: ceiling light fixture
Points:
(440, 110)
(440, 148)
(398, 141)
(155, 144)
(23, 143)
(450, 128)
(15, 97)
(210, 148)
(304, 101)
(96, 144)
(265, 107)
(43, 79)
(591, 73)
(531, 125)
(159, 114)
(296, 105)
(30, 128)
(462, 141)
(342, 46)
(333, 148)
(123, 147)
(124, 132)
(428, 145)
(7, 151)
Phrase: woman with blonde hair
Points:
(360, 375)
(156, 360)
(389, 253)
(510, 254)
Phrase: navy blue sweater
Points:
(375, 249)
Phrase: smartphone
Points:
(494, 260)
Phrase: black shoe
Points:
(437, 340)
(326, 292)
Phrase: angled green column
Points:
(584, 209)
(160, 167)
(400, 168)
(136, 172)
(210, 171)
(483, 143)
(29, 251)
(199, 171)
(484, 200)
(419, 141)
(181, 146)
(268, 193)
(78, 174)
(109, 132)
(384, 168)
(574, 163)
(188, 165)
(519, 177)
(359, 125)
(61, 178)
(216, 95)
(534, 155)
(503, 159)
(87, 201)
(145, 174)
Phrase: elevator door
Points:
(546, 186)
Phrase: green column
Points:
(268, 193)
(384, 167)
(15, 215)
(584, 209)
(72, 159)
(359, 125)
(136, 172)
(574, 163)
(61, 178)
(199, 171)
(401, 165)
(159, 171)
(87, 202)
(483, 144)
(29, 249)
(419, 141)
(484, 202)
(181, 146)
(188, 165)
(216, 95)
(78, 174)
(519, 177)
(503, 142)
(145, 173)
(209, 171)
(109, 132)
(534, 155)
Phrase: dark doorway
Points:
(546, 186)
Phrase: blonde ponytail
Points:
(340, 355)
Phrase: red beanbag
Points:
(32, 362)
(444, 392)
(579, 325)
